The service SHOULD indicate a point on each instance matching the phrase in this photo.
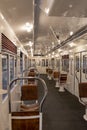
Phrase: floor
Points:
(62, 111)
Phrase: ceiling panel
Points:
(64, 16)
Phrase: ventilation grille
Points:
(8, 45)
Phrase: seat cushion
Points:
(31, 107)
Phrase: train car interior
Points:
(43, 64)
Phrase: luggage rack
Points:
(26, 119)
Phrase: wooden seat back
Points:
(56, 74)
(31, 74)
(63, 78)
(29, 92)
(83, 90)
(50, 71)
(25, 124)
(47, 70)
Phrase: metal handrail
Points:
(78, 70)
(27, 70)
(24, 78)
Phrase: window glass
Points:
(11, 68)
(65, 63)
(21, 62)
(77, 63)
(46, 62)
(5, 74)
(43, 62)
(15, 67)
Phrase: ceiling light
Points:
(1, 16)
(28, 27)
(47, 10)
(52, 53)
(70, 50)
(71, 33)
(59, 41)
(72, 44)
(49, 55)
(30, 43)
(52, 43)
(57, 55)
(59, 50)
(70, 6)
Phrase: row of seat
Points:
(60, 78)
(29, 116)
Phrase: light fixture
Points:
(28, 27)
(57, 55)
(52, 43)
(49, 55)
(59, 41)
(72, 44)
(30, 43)
(70, 6)
(59, 50)
(47, 10)
(1, 15)
(52, 53)
(71, 33)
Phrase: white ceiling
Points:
(64, 16)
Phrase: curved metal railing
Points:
(24, 78)
(28, 70)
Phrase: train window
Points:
(21, 62)
(29, 63)
(52, 63)
(77, 63)
(11, 68)
(15, 67)
(5, 73)
(84, 63)
(46, 62)
(38, 62)
(65, 63)
(43, 62)
(33, 63)
(58, 64)
(25, 61)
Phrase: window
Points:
(77, 63)
(21, 62)
(58, 64)
(84, 63)
(65, 63)
(11, 68)
(43, 62)
(5, 73)
(46, 62)
(15, 67)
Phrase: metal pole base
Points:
(61, 89)
(49, 77)
(85, 117)
(57, 84)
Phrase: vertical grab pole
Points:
(40, 125)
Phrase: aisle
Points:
(62, 111)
